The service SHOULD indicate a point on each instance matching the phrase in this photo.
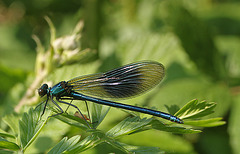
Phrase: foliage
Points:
(197, 43)
(32, 123)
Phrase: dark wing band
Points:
(124, 82)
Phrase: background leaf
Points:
(198, 43)
(234, 126)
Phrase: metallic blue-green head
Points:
(43, 90)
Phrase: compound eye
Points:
(43, 90)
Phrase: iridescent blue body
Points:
(121, 83)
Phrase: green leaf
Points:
(10, 76)
(31, 125)
(173, 129)
(130, 148)
(127, 126)
(116, 144)
(142, 149)
(89, 142)
(5, 144)
(199, 43)
(65, 145)
(98, 113)
(213, 122)
(234, 125)
(12, 122)
(73, 120)
(5, 134)
(194, 109)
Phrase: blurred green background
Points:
(198, 42)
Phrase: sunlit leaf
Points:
(89, 142)
(5, 144)
(195, 109)
(31, 125)
(98, 113)
(116, 144)
(5, 134)
(12, 122)
(127, 126)
(64, 145)
(213, 122)
(173, 129)
(73, 120)
(142, 149)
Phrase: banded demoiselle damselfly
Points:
(120, 83)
